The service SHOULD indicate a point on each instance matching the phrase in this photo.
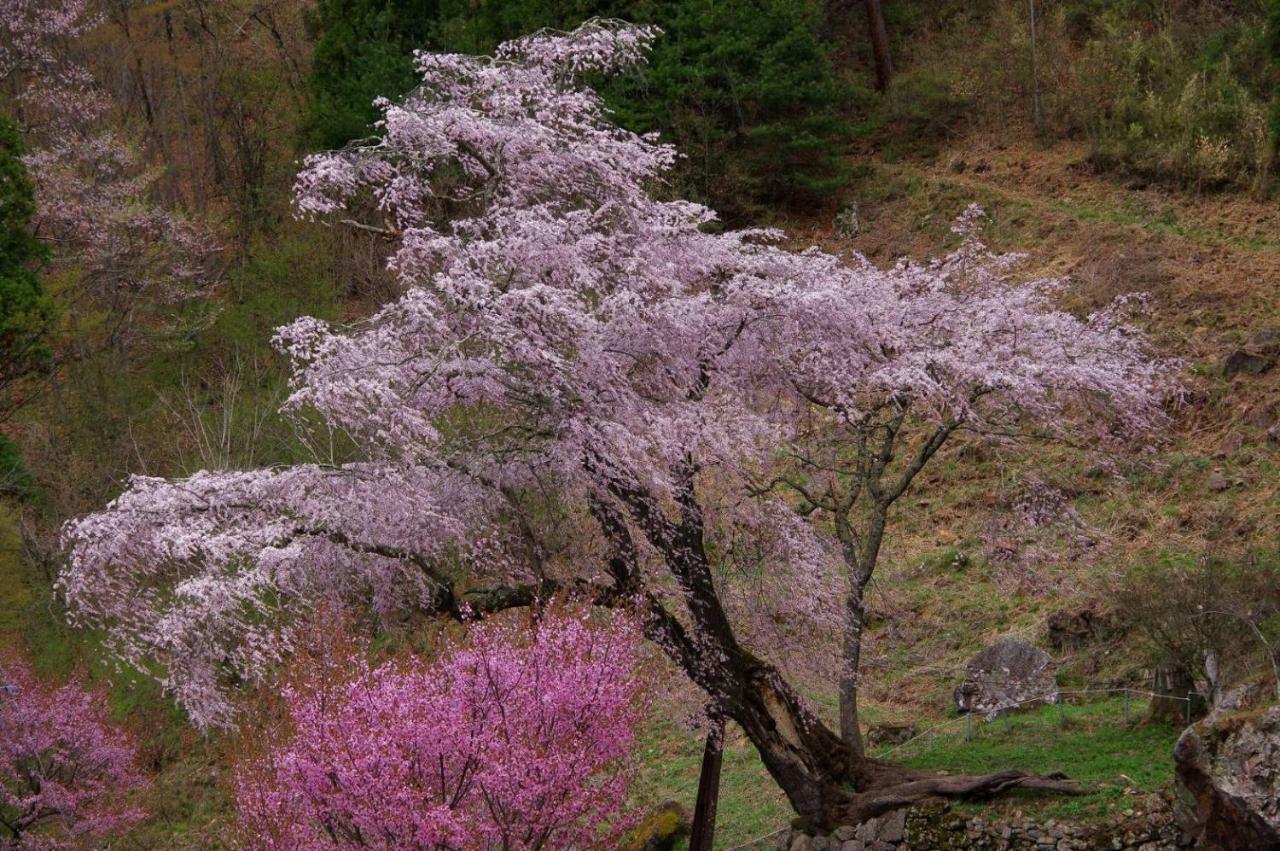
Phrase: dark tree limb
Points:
(901, 789)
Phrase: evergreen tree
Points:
(747, 90)
(364, 48)
(24, 307)
(745, 87)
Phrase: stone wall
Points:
(937, 827)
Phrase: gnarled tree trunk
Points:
(824, 780)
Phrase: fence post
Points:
(704, 809)
(930, 738)
(1035, 78)
(1189, 707)
(1062, 710)
(968, 726)
(1126, 705)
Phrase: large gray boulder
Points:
(1008, 674)
(1228, 781)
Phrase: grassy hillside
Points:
(1211, 264)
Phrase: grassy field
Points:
(1115, 761)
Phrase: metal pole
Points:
(704, 811)
(968, 726)
(1062, 711)
(1188, 699)
(1035, 80)
(1126, 705)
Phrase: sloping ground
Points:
(1211, 266)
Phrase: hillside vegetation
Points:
(1152, 168)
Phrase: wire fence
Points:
(1071, 705)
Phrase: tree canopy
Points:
(576, 393)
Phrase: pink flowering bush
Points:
(66, 776)
(513, 740)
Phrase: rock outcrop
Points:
(1228, 781)
(660, 830)
(1071, 629)
(884, 735)
(1007, 674)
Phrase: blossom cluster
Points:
(567, 340)
(92, 187)
(516, 739)
(65, 773)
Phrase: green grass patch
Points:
(1115, 761)
(751, 804)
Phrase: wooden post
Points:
(1035, 79)
(704, 811)
(879, 44)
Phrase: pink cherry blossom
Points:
(516, 739)
(66, 775)
(92, 186)
(582, 387)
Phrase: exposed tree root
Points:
(889, 787)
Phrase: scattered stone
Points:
(1228, 781)
(661, 829)
(1243, 360)
(1070, 629)
(1005, 675)
(1266, 341)
(847, 223)
(1230, 445)
(802, 842)
(934, 826)
(1240, 697)
(1263, 415)
(1218, 482)
(882, 735)
(893, 826)
(845, 832)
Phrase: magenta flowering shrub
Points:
(66, 775)
(514, 740)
